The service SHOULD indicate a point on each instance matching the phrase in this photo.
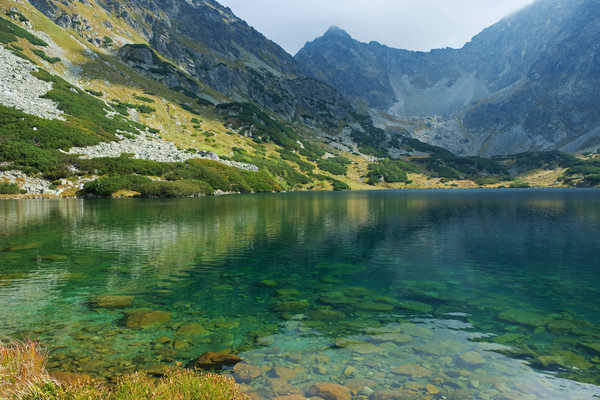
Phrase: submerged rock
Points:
(268, 283)
(143, 319)
(326, 315)
(564, 359)
(472, 358)
(216, 360)
(291, 306)
(415, 306)
(398, 338)
(192, 329)
(374, 306)
(330, 391)
(245, 373)
(595, 347)
(113, 301)
(415, 371)
(288, 292)
(522, 317)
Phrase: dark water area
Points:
(405, 294)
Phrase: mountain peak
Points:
(336, 31)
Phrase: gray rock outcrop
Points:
(21, 90)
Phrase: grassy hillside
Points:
(101, 98)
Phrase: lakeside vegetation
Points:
(23, 376)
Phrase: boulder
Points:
(112, 301)
(143, 319)
(330, 391)
(415, 371)
(245, 373)
(216, 360)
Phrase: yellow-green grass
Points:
(23, 376)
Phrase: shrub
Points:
(23, 376)
(43, 56)
(144, 99)
(94, 93)
(335, 165)
(339, 186)
(9, 33)
(389, 171)
(9, 188)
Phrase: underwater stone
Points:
(143, 319)
(350, 371)
(416, 306)
(291, 306)
(268, 283)
(374, 306)
(330, 391)
(288, 292)
(245, 373)
(291, 397)
(335, 299)
(398, 338)
(561, 326)
(472, 358)
(522, 317)
(216, 360)
(340, 343)
(412, 370)
(564, 359)
(113, 301)
(326, 315)
(192, 329)
(595, 347)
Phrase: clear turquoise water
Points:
(482, 294)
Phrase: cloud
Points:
(407, 24)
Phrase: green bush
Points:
(9, 188)
(9, 33)
(339, 186)
(43, 56)
(108, 185)
(389, 171)
(144, 99)
(335, 165)
(94, 93)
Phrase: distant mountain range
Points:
(530, 82)
(98, 95)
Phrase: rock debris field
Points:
(20, 89)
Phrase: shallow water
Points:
(423, 294)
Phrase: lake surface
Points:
(413, 294)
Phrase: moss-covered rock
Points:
(112, 301)
(523, 317)
(415, 306)
(143, 319)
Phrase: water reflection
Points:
(341, 277)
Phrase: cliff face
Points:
(528, 82)
(208, 42)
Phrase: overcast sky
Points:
(407, 24)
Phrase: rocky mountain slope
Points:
(527, 83)
(211, 44)
(108, 98)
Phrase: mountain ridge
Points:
(448, 85)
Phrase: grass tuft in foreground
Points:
(23, 376)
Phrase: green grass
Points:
(144, 99)
(108, 185)
(23, 376)
(389, 171)
(43, 56)
(335, 165)
(9, 32)
(194, 177)
(9, 188)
